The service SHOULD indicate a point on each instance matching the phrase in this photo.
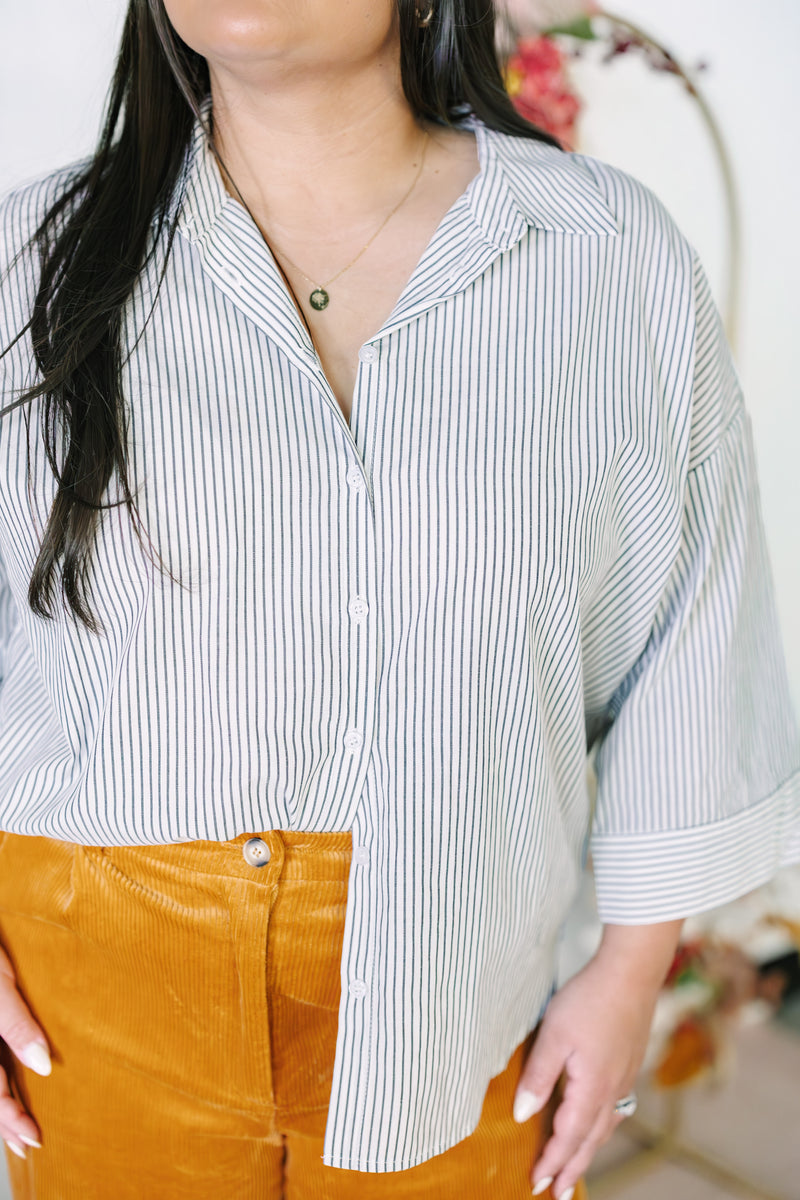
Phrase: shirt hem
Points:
(380, 1168)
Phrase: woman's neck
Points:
(327, 151)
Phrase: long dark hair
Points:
(94, 241)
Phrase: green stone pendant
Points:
(319, 299)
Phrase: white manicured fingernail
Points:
(567, 1195)
(15, 1148)
(525, 1105)
(542, 1185)
(37, 1058)
(29, 1141)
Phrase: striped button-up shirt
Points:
(539, 532)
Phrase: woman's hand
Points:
(595, 1029)
(24, 1037)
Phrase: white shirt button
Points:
(358, 608)
(368, 354)
(358, 988)
(355, 479)
(361, 856)
(353, 740)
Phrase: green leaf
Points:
(689, 974)
(581, 27)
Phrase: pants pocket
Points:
(37, 878)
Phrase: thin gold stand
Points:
(664, 1143)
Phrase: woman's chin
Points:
(246, 32)
(242, 30)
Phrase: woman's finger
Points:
(574, 1119)
(581, 1160)
(541, 1072)
(17, 1027)
(17, 1129)
(24, 1037)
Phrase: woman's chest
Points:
(478, 420)
(466, 429)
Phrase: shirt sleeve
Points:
(698, 771)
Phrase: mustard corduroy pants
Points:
(190, 999)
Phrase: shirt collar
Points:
(522, 182)
(529, 181)
(199, 195)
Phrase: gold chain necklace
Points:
(319, 297)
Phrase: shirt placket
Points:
(239, 264)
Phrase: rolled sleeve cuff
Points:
(642, 878)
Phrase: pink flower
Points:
(537, 83)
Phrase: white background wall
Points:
(56, 58)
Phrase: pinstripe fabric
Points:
(539, 530)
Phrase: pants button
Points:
(256, 852)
